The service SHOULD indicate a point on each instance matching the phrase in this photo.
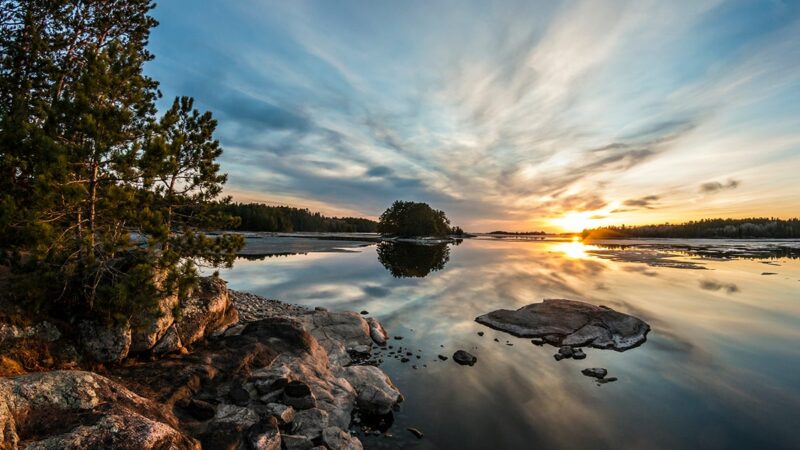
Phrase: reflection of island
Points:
(409, 260)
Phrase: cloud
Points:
(715, 186)
(711, 285)
(554, 107)
(647, 202)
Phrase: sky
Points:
(507, 115)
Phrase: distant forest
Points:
(519, 233)
(260, 217)
(760, 227)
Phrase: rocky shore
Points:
(231, 371)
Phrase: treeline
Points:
(519, 233)
(760, 227)
(260, 217)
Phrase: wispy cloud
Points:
(716, 186)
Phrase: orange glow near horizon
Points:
(576, 222)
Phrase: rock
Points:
(310, 423)
(360, 350)
(335, 438)
(282, 413)
(238, 395)
(442, 357)
(200, 409)
(169, 342)
(570, 322)
(537, 341)
(578, 354)
(264, 435)
(375, 392)
(149, 326)
(415, 432)
(298, 395)
(364, 313)
(88, 410)
(595, 372)
(464, 358)
(480, 333)
(377, 332)
(105, 343)
(294, 442)
(206, 311)
(606, 380)
(240, 416)
(338, 331)
(565, 351)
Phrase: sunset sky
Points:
(507, 115)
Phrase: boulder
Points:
(282, 413)
(295, 442)
(150, 325)
(310, 423)
(571, 323)
(335, 438)
(208, 310)
(377, 332)
(264, 435)
(105, 343)
(169, 342)
(375, 392)
(338, 331)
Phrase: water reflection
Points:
(719, 370)
(404, 260)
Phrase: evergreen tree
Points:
(82, 155)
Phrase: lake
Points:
(720, 367)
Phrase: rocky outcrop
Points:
(79, 410)
(206, 311)
(571, 323)
(285, 381)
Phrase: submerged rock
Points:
(570, 323)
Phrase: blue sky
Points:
(507, 115)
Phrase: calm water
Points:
(720, 368)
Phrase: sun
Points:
(575, 222)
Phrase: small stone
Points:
(537, 341)
(565, 351)
(578, 354)
(398, 337)
(404, 360)
(480, 333)
(607, 380)
(443, 358)
(464, 358)
(415, 432)
(595, 372)
(365, 312)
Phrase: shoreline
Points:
(281, 375)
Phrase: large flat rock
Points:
(571, 322)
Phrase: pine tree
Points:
(83, 221)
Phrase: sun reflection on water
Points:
(575, 249)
